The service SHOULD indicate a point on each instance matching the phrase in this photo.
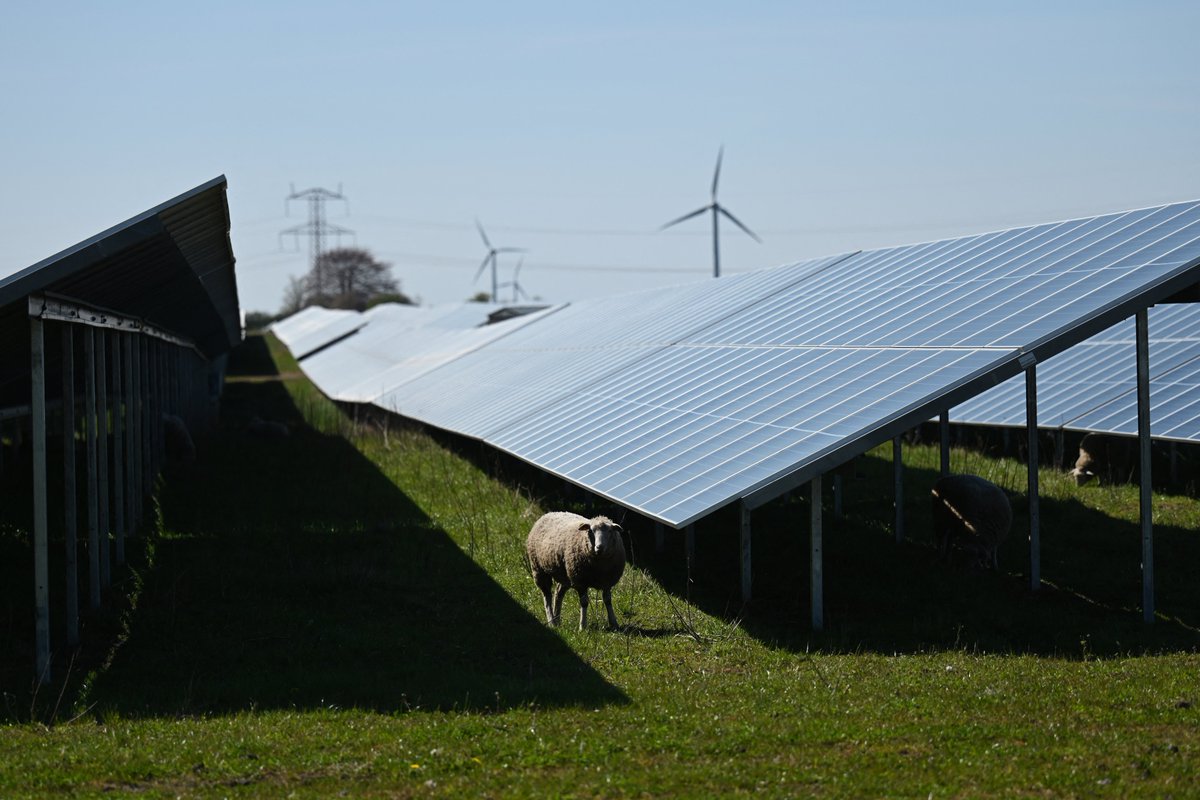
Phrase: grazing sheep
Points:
(974, 512)
(267, 428)
(177, 441)
(1101, 454)
(578, 553)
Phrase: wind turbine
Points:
(491, 258)
(516, 286)
(717, 210)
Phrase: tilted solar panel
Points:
(676, 402)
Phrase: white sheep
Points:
(579, 553)
(1102, 455)
(973, 511)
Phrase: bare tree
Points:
(293, 297)
(346, 277)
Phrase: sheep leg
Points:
(612, 618)
(558, 598)
(583, 604)
(543, 583)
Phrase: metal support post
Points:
(70, 493)
(102, 453)
(119, 408)
(1031, 429)
(898, 475)
(93, 500)
(746, 534)
(817, 588)
(41, 549)
(944, 431)
(1145, 498)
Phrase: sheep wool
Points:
(973, 511)
(576, 553)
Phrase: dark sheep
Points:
(1107, 458)
(975, 513)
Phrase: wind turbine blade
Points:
(482, 267)
(717, 173)
(517, 271)
(738, 222)
(686, 217)
(483, 235)
(510, 250)
(521, 291)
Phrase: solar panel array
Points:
(1092, 386)
(314, 327)
(677, 402)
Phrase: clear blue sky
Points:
(576, 129)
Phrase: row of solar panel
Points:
(676, 402)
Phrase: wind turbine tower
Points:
(717, 210)
(490, 258)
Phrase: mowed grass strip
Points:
(348, 611)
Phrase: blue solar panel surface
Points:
(676, 402)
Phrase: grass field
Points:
(348, 612)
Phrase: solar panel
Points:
(676, 402)
(1092, 385)
(315, 327)
(838, 361)
(539, 365)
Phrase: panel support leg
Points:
(898, 476)
(70, 493)
(1031, 429)
(817, 586)
(944, 431)
(41, 548)
(746, 533)
(1145, 499)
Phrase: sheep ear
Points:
(585, 526)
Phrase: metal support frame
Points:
(118, 436)
(944, 440)
(93, 501)
(121, 405)
(746, 537)
(837, 495)
(1145, 497)
(41, 548)
(898, 477)
(658, 537)
(689, 546)
(70, 492)
(1031, 428)
(816, 583)
(102, 453)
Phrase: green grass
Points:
(348, 611)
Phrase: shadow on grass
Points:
(292, 574)
(898, 598)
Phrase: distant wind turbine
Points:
(717, 210)
(515, 284)
(491, 258)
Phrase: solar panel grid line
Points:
(945, 274)
(886, 428)
(623, 407)
(1038, 294)
(846, 279)
(813, 458)
(450, 346)
(699, 445)
(793, 275)
(775, 378)
(1068, 247)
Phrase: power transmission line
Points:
(316, 229)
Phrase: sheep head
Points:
(602, 534)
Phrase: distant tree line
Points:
(346, 277)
